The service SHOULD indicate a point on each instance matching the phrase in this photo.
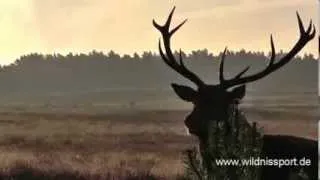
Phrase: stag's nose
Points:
(187, 131)
(188, 121)
(189, 124)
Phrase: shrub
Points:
(230, 139)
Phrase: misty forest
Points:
(120, 80)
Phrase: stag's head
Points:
(213, 102)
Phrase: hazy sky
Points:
(125, 26)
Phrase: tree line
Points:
(36, 73)
(99, 56)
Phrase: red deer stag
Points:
(212, 102)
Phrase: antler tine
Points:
(311, 30)
(273, 51)
(242, 72)
(305, 37)
(168, 56)
(301, 28)
(221, 68)
(165, 28)
(309, 27)
(178, 27)
(180, 59)
(167, 61)
(168, 22)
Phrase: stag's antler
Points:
(305, 37)
(169, 58)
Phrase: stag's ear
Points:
(238, 92)
(184, 92)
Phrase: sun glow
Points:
(47, 26)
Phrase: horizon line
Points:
(153, 52)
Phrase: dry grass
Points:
(138, 145)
